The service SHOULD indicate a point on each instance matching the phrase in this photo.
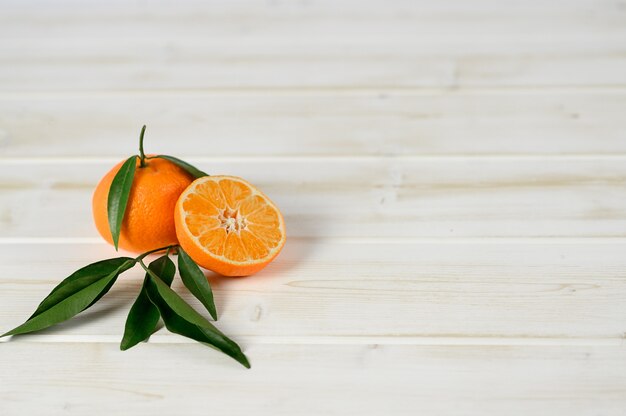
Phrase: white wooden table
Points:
(453, 176)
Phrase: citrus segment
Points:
(228, 226)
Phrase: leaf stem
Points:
(147, 269)
(139, 258)
(142, 155)
(143, 265)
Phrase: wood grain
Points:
(452, 176)
(316, 44)
(381, 197)
(324, 125)
(349, 291)
(313, 380)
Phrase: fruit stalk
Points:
(142, 155)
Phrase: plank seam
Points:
(86, 160)
(345, 340)
(322, 91)
(355, 240)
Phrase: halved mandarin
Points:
(228, 226)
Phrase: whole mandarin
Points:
(149, 218)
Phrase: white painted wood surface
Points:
(316, 123)
(452, 175)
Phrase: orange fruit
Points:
(228, 226)
(149, 218)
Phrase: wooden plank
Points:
(312, 380)
(312, 45)
(316, 125)
(492, 23)
(355, 292)
(381, 197)
(79, 66)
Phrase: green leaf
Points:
(220, 342)
(118, 197)
(144, 316)
(196, 281)
(82, 278)
(68, 307)
(192, 170)
(182, 319)
(178, 304)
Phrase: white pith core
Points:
(232, 220)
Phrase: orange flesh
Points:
(230, 219)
